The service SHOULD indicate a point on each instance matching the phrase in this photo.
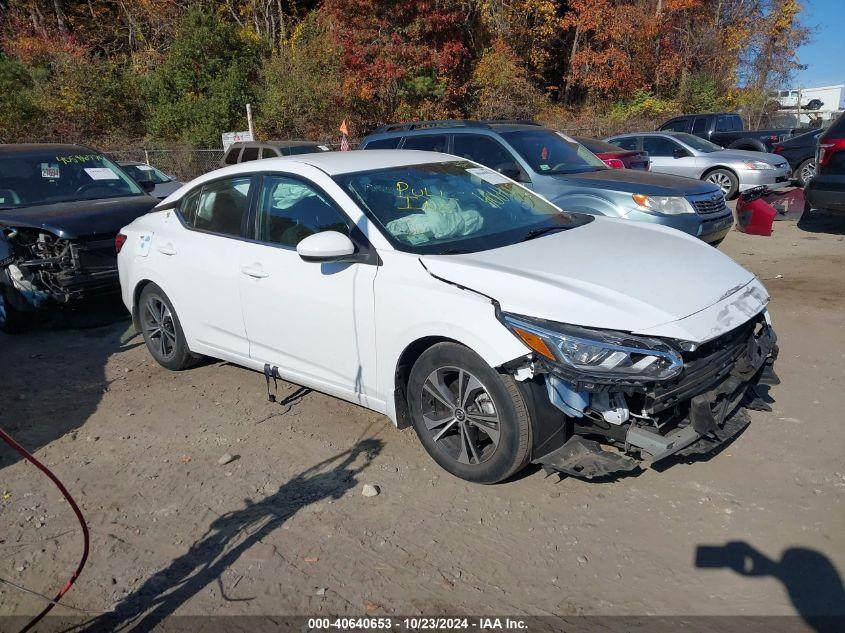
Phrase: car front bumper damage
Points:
(693, 416)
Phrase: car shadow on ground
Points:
(52, 379)
(230, 536)
(819, 221)
(809, 577)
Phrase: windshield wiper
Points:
(541, 231)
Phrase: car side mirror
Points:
(147, 185)
(326, 246)
(512, 171)
(679, 152)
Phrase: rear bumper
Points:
(823, 194)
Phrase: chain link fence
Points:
(183, 164)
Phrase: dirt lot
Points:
(284, 528)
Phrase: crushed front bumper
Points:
(696, 414)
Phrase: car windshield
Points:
(553, 153)
(146, 172)
(61, 175)
(697, 143)
(453, 207)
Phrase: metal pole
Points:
(249, 119)
(147, 156)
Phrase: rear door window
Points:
(266, 152)
(428, 142)
(659, 146)
(249, 153)
(630, 143)
(222, 206)
(699, 125)
(678, 125)
(232, 155)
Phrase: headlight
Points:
(757, 165)
(667, 205)
(596, 356)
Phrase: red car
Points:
(614, 157)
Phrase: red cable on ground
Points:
(30, 458)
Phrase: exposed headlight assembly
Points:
(757, 165)
(665, 205)
(600, 357)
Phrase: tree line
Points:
(181, 71)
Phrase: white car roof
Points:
(332, 163)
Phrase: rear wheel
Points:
(805, 172)
(725, 179)
(472, 420)
(161, 329)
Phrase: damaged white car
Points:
(447, 296)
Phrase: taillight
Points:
(828, 148)
(614, 163)
(119, 241)
(778, 149)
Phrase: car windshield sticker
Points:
(144, 167)
(50, 171)
(325, 148)
(488, 175)
(101, 173)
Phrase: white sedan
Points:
(447, 296)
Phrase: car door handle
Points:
(254, 272)
(167, 249)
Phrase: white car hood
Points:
(614, 274)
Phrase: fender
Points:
(588, 203)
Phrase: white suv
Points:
(445, 295)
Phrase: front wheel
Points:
(725, 179)
(472, 420)
(161, 329)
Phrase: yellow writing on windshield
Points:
(411, 199)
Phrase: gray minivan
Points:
(567, 173)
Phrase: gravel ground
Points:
(283, 527)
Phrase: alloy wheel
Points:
(157, 322)
(721, 180)
(808, 171)
(460, 415)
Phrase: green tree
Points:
(301, 87)
(206, 78)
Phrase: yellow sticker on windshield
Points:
(410, 199)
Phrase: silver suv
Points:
(568, 174)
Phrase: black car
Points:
(800, 151)
(61, 207)
(827, 188)
(726, 129)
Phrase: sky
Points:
(825, 54)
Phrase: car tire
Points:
(162, 330)
(725, 179)
(473, 421)
(805, 172)
(11, 319)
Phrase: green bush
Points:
(202, 86)
(19, 113)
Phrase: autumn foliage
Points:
(176, 71)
